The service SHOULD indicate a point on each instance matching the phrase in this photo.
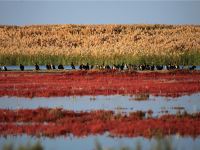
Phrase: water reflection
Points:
(117, 103)
(63, 143)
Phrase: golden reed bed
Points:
(102, 42)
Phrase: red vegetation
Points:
(54, 122)
(38, 84)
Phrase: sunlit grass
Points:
(97, 44)
(187, 58)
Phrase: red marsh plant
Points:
(42, 122)
(70, 83)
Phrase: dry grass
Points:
(99, 41)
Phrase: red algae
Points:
(56, 122)
(70, 83)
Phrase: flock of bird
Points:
(108, 67)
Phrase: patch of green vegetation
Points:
(191, 57)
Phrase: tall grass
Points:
(186, 58)
(158, 44)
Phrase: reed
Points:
(186, 58)
(158, 44)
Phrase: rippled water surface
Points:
(90, 142)
(117, 103)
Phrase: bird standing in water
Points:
(21, 67)
(37, 67)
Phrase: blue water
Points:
(89, 142)
(117, 103)
(43, 67)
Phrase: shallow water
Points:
(117, 103)
(88, 143)
(43, 67)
